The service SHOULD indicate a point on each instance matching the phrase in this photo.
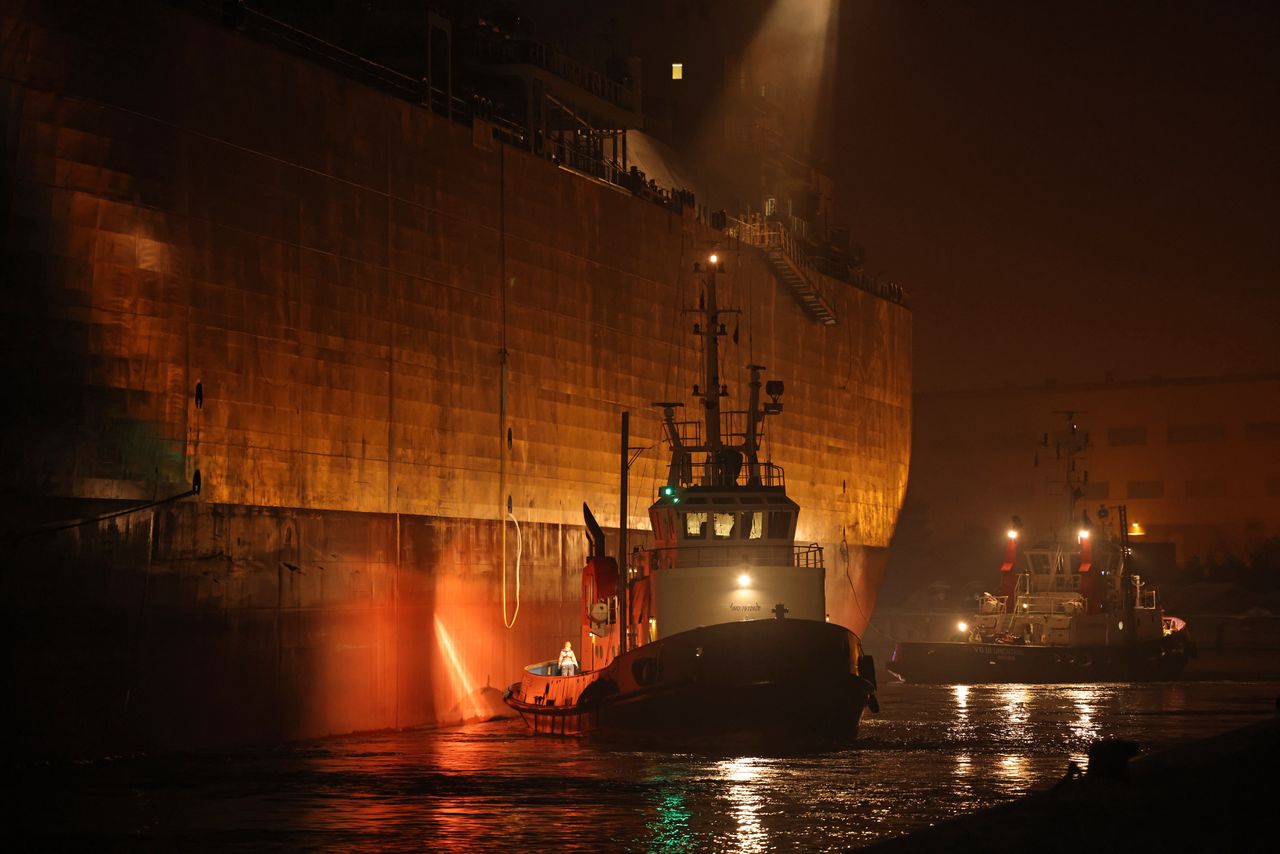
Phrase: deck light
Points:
(744, 580)
(1013, 534)
(962, 626)
(1084, 533)
(714, 259)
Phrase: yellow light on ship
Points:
(714, 259)
(1013, 533)
(1084, 533)
(962, 626)
(744, 580)
(1136, 530)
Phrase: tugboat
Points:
(717, 632)
(1067, 611)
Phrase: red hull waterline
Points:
(763, 681)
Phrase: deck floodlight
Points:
(1013, 533)
(1084, 533)
(714, 259)
(744, 580)
(962, 626)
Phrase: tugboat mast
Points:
(1073, 443)
(724, 460)
(711, 362)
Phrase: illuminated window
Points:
(677, 71)
(753, 525)
(723, 525)
(695, 526)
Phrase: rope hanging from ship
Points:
(519, 551)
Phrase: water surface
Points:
(934, 752)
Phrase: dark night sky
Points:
(1067, 189)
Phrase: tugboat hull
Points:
(974, 663)
(763, 681)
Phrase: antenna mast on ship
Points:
(724, 459)
(1071, 444)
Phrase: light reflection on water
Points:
(494, 787)
(745, 802)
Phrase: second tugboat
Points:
(1067, 611)
(718, 632)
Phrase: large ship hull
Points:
(396, 351)
(764, 681)
(966, 663)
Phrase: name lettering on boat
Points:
(734, 606)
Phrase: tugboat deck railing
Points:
(722, 554)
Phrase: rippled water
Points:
(934, 752)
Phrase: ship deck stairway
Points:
(790, 266)
(798, 282)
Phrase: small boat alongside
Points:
(717, 631)
(1067, 612)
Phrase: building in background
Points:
(1196, 461)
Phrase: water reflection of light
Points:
(1085, 727)
(1015, 699)
(1013, 768)
(670, 828)
(964, 767)
(962, 703)
(745, 802)
(462, 684)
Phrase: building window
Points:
(1097, 490)
(1145, 489)
(1122, 436)
(677, 71)
(1183, 433)
(1205, 488)
(1262, 430)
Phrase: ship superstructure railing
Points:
(729, 554)
(713, 473)
(808, 557)
(769, 233)
(710, 472)
(1051, 603)
(518, 50)
(468, 108)
(733, 429)
(989, 604)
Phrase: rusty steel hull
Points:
(370, 329)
